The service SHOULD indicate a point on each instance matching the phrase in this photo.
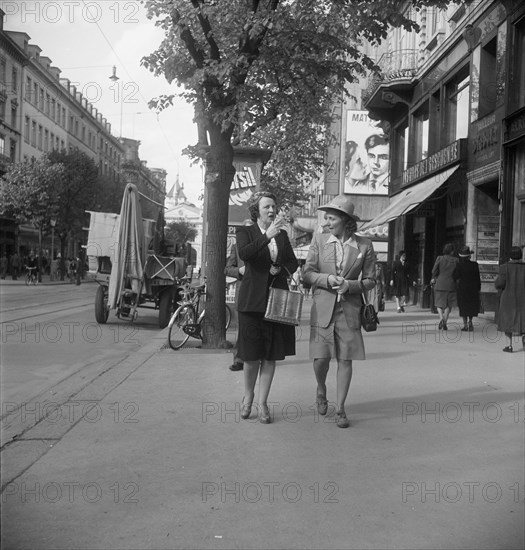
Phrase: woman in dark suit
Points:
(268, 256)
(401, 281)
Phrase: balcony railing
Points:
(395, 66)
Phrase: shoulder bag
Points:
(369, 320)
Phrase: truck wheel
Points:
(166, 307)
(101, 305)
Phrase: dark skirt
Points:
(260, 339)
(468, 302)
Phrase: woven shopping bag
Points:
(284, 306)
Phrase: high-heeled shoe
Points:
(341, 420)
(440, 326)
(264, 415)
(246, 410)
(470, 326)
(322, 404)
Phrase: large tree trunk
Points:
(218, 179)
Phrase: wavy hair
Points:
(255, 199)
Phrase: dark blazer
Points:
(252, 247)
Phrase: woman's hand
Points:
(275, 269)
(332, 280)
(275, 228)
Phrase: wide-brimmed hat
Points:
(343, 204)
(465, 252)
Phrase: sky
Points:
(86, 39)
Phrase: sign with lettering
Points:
(446, 157)
(485, 141)
(515, 127)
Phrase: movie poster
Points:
(366, 156)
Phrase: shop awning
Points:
(410, 198)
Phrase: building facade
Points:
(41, 111)
(455, 145)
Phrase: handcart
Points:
(130, 275)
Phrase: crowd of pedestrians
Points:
(341, 267)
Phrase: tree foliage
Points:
(28, 193)
(180, 232)
(264, 72)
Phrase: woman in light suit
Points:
(340, 266)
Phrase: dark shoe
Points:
(264, 416)
(237, 366)
(440, 326)
(508, 349)
(465, 328)
(444, 326)
(322, 405)
(341, 420)
(402, 309)
(246, 410)
(471, 327)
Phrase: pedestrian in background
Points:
(400, 281)
(268, 256)
(444, 284)
(377, 295)
(235, 268)
(4, 263)
(15, 265)
(340, 266)
(511, 313)
(468, 288)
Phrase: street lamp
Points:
(53, 222)
(114, 78)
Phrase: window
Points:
(53, 109)
(46, 140)
(2, 108)
(52, 140)
(42, 100)
(27, 125)
(2, 144)
(71, 123)
(33, 133)
(35, 94)
(487, 78)
(12, 151)
(29, 87)
(40, 137)
(518, 85)
(14, 81)
(48, 104)
(421, 133)
(83, 133)
(3, 71)
(400, 150)
(14, 112)
(457, 107)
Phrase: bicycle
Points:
(31, 277)
(187, 321)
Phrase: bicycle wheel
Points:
(28, 279)
(185, 315)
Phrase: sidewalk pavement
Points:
(46, 280)
(434, 457)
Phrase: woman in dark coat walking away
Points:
(511, 282)
(400, 282)
(469, 285)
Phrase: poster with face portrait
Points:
(366, 156)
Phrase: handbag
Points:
(284, 305)
(369, 320)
